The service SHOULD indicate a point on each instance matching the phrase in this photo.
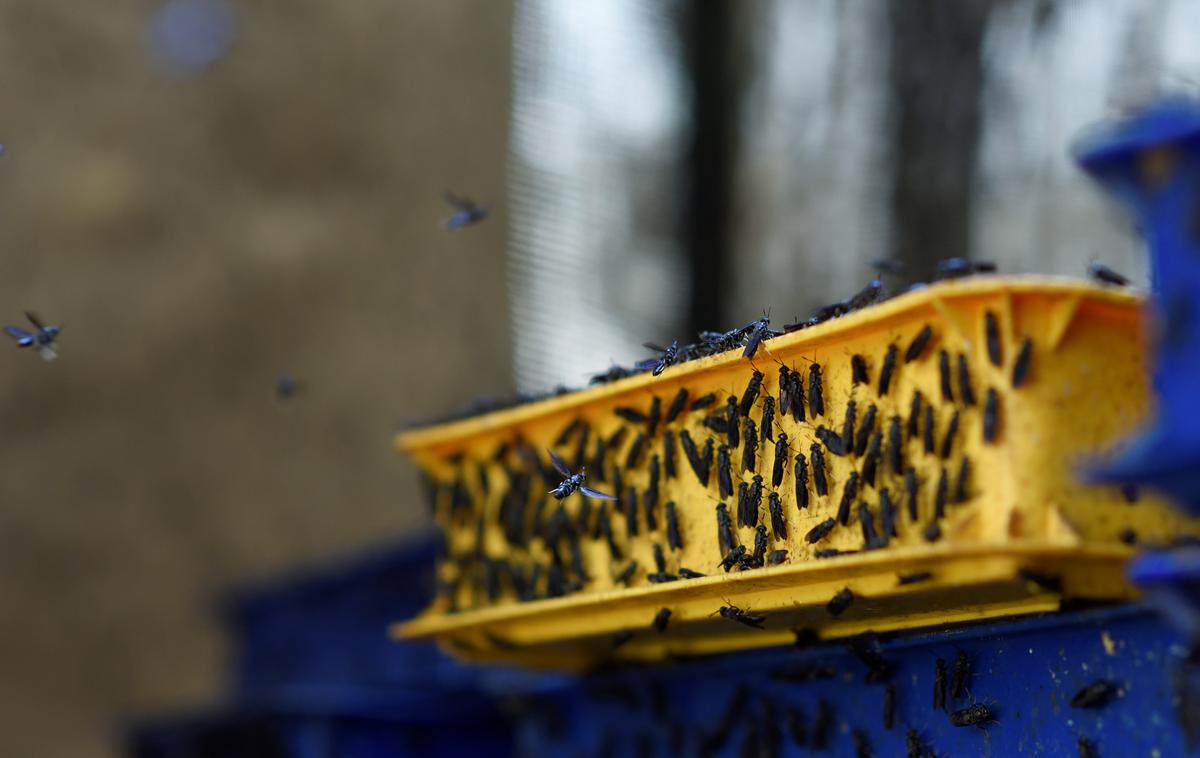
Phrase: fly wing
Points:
(459, 203)
(33, 319)
(594, 494)
(17, 334)
(559, 464)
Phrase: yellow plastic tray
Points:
(1026, 535)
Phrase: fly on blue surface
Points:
(466, 212)
(572, 482)
(42, 340)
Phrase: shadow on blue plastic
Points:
(316, 674)
(1150, 161)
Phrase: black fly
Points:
(862, 743)
(818, 467)
(733, 558)
(964, 381)
(889, 366)
(781, 451)
(778, 522)
(750, 449)
(992, 329)
(914, 578)
(674, 541)
(754, 499)
(733, 613)
(660, 620)
(785, 379)
(849, 493)
(766, 426)
(631, 509)
(871, 462)
(703, 402)
(887, 515)
(760, 546)
(951, 432)
(669, 454)
(928, 431)
(724, 529)
(858, 370)
(626, 573)
(744, 516)
(776, 557)
(917, 346)
(677, 404)
(654, 417)
(910, 489)
(838, 604)
(666, 356)
(991, 409)
(631, 415)
(944, 373)
(864, 431)
(960, 487)
(604, 529)
(1106, 275)
(751, 393)
(820, 531)
(867, 522)
(801, 481)
(972, 715)
(955, 268)
(1095, 695)
(759, 330)
(635, 451)
(848, 423)
(731, 421)
(834, 443)
(1086, 748)
(962, 669)
(724, 475)
(895, 445)
(572, 482)
(1021, 365)
(939, 503)
(568, 431)
(466, 212)
(692, 454)
(816, 400)
(914, 415)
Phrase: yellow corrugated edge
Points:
(832, 331)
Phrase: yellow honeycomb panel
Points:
(1016, 534)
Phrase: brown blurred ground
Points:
(195, 238)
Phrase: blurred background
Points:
(208, 193)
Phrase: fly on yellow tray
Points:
(910, 464)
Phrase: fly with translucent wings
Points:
(42, 340)
(666, 357)
(466, 212)
(573, 482)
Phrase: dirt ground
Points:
(194, 238)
